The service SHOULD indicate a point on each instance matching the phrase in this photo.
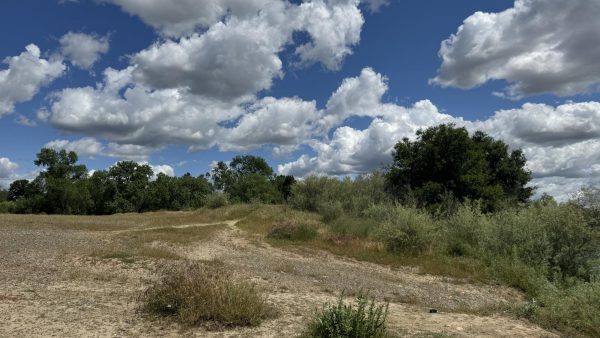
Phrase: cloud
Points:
(25, 121)
(162, 169)
(334, 27)
(26, 74)
(126, 113)
(8, 172)
(375, 5)
(83, 147)
(83, 50)
(210, 64)
(189, 15)
(352, 151)
(283, 122)
(7, 168)
(91, 147)
(537, 46)
(559, 142)
(356, 96)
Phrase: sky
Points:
(316, 87)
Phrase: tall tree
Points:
(446, 160)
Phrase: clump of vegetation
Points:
(6, 207)
(293, 230)
(365, 319)
(216, 200)
(446, 159)
(205, 294)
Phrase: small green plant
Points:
(205, 294)
(365, 319)
(292, 230)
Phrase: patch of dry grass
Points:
(205, 294)
(127, 221)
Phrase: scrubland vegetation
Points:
(450, 204)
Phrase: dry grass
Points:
(205, 294)
(127, 221)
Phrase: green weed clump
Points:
(365, 319)
(293, 230)
(205, 294)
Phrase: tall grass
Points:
(205, 294)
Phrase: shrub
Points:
(205, 294)
(330, 210)
(464, 230)
(520, 234)
(292, 230)
(216, 200)
(7, 207)
(404, 229)
(353, 226)
(366, 320)
(572, 309)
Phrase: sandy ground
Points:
(51, 286)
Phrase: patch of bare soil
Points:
(50, 286)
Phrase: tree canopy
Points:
(446, 161)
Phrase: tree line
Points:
(442, 164)
(66, 187)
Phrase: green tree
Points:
(445, 160)
(247, 178)
(61, 188)
(131, 180)
(17, 190)
(103, 191)
(284, 184)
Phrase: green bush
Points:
(330, 210)
(353, 195)
(463, 231)
(404, 230)
(292, 230)
(366, 319)
(520, 234)
(354, 227)
(7, 207)
(216, 200)
(573, 310)
(205, 294)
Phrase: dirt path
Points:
(49, 286)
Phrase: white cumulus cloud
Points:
(83, 50)
(26, 74)
(538, 46)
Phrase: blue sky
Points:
(316, 87)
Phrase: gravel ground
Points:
(51, 286)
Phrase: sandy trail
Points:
(49, 286)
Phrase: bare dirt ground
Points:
(52, 285)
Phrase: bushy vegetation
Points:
(548, 250)
(65, 187)
(451, 203)
(447, 160)
(365, 319)
(205, 294)
(293, 230)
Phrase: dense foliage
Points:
(249, 178)
(445, 160)
(66, 187)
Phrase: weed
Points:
(366, 319)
